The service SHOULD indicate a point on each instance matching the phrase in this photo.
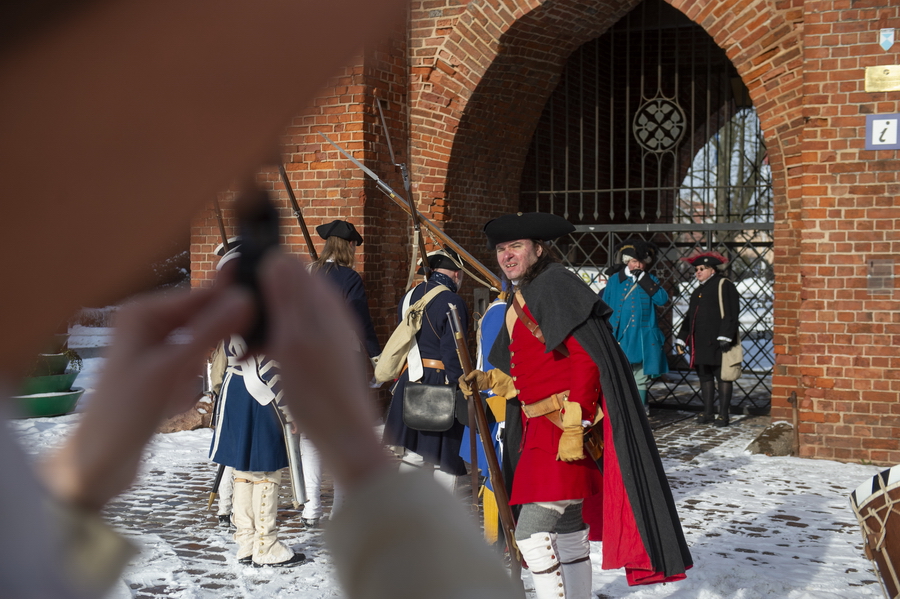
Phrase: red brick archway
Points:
(478, 91)
(464, 84)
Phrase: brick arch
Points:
(477, 96)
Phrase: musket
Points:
(407, 186)
(506, 517)
(436, 232)
(227, 247)
(297, 213)
(218, 212)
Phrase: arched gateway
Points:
(499, 106)
(629, 120)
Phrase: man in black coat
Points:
(710, 327)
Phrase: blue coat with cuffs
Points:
(633, 319)
(249, 434)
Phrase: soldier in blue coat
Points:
(249, 437)
(336, 263)
(633, 294)
(432, 361)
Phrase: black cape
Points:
(562, 304)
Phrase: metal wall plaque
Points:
(884, 78)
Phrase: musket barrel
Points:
(506, 518)
(290, 190)
(417, 217)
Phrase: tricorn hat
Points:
(233, 242)
(526, 225)
(234, 250)
(640, 250)
(446, 259)
(711, 259)
(340, 228)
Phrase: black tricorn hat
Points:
(445, 258)
(526, 225)
(339, 228)
(233, 242)
(642, 251)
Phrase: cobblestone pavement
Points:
(168, 509)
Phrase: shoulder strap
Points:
(721, 304)
(531, 325)
(423, 301)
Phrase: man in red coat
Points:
(556, 357)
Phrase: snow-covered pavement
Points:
(757, 526)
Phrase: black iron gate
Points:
(650, 134)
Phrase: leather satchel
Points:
(429, 408)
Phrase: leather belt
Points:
(427, 363)
(545, 406)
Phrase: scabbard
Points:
(295, 466)
(215, 488)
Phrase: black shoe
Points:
(225, 520)
(310, 522)
(246, 561)
(721, 422)
(297, 558)
(704, 419)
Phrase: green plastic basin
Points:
(47, 404)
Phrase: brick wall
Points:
(849, 360)
(464, 84)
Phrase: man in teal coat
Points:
(633, 294)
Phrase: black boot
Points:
(708, 394)
(725, 391)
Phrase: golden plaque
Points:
(885, 78)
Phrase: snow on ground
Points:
(757, 526)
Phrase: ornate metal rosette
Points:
(659, 125)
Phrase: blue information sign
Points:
(882, 132)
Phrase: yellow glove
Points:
(475, 378)
(502, 383)
(571, 444)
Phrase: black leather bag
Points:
(430, 408)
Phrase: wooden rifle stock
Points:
(506, 517)
(448, 241)
(297, 213)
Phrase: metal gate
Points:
(651, 134)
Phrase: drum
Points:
(876, 504)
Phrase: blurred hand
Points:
(324, 380)
(145, 379)
(724, 345)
